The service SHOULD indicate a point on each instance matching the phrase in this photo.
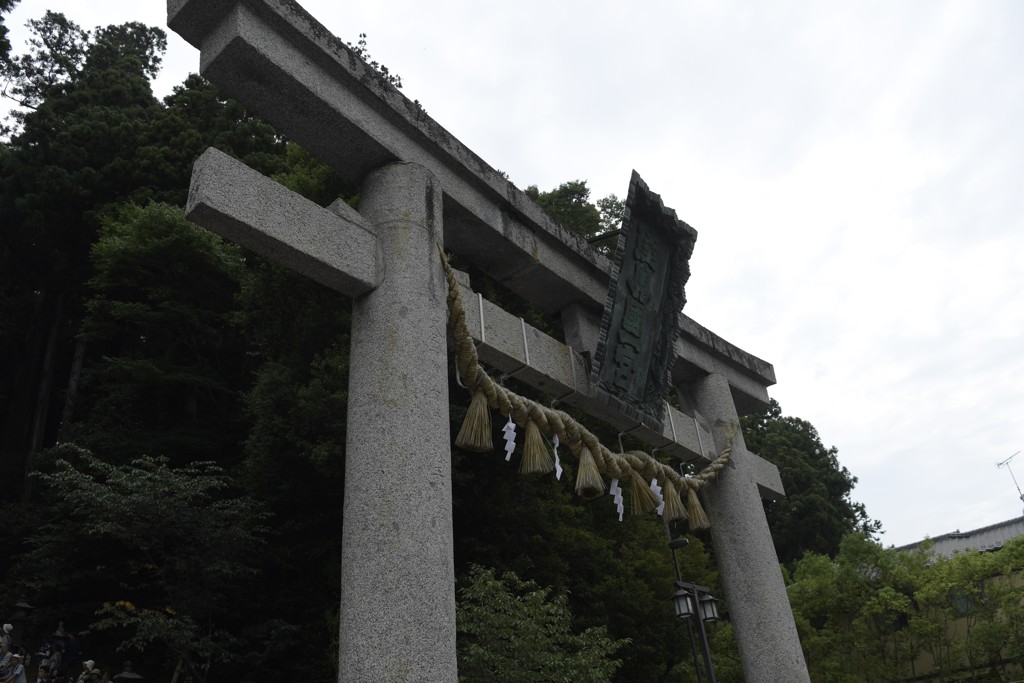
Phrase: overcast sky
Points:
(854, 172)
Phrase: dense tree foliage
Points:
(874, 614)
(570, 205)
(173, 592)
(512, 630)
(5, 42)
(166, 359)
(121, 329)
(95, 137)
(817, 511)
(57, 52)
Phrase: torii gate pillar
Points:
(749, 568)
(397, 568)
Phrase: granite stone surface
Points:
(397, 569)
(336, 248)
(747, 564)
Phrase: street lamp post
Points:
(695, 601)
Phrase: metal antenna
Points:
(1007, 463)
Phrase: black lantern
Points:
(683, 600)
(691, 600)
(708, 607)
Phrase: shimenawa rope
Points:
(594, 458)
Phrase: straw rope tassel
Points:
(698, 518)
(641, 498)
(589, 483)
(674, 508)
(475, 434)
(536, 457)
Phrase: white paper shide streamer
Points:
(656, 489)
(616, 491)
(509, 432)
(558, 463)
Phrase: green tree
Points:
(512, 630)
(5, 42)
(817, 512)
(155, 306)
(72, 158)
(295, 454)
(979, 596)
(144, 45)
(854, 612)
(570, 205)
(195, 116)
(79, 144)
(95, 138)
(612, 210)
(58, 48)
(166, 360)
(872, 614)
(308, 176)
(161, 556)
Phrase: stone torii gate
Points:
(420, 187)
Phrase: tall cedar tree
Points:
(94, 137)
(5, 42)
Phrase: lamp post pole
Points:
(693, 600)
(693, 648)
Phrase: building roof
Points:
(985, 539)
